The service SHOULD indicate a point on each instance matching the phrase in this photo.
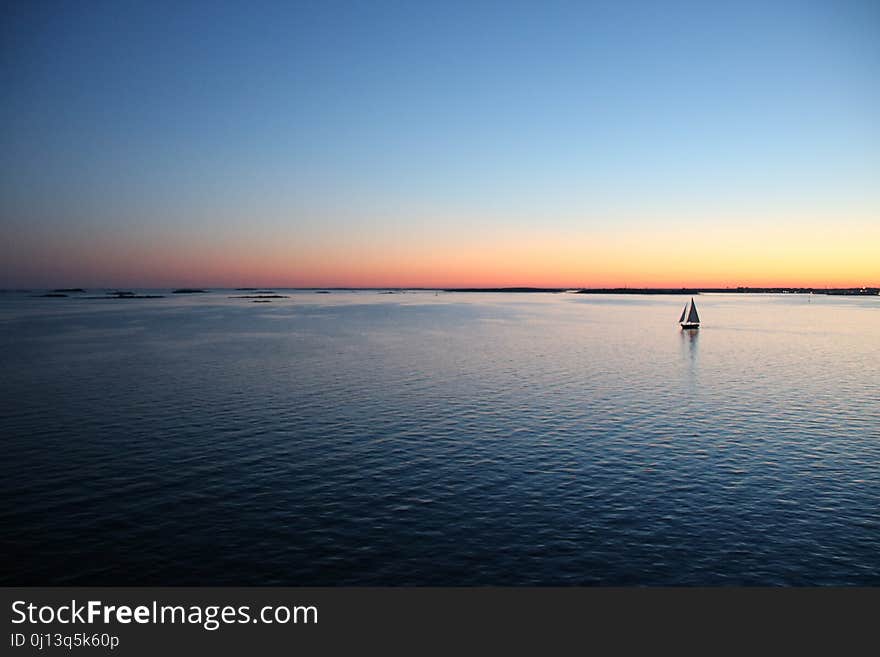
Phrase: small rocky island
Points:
(124, 294)
(260, 296)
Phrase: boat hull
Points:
(687, 326)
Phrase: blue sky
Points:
(211, 123)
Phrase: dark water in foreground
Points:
(359, 438)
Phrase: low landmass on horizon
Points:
(839, 291)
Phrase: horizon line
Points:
(441, 287)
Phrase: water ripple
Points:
(459, 439)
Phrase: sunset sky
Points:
(440, 144)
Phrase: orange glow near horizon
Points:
(774, 255)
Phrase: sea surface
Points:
(422, 438)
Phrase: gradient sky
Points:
(439, 144)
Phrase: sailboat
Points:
(689, 318)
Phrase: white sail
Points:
(693, 317)
(689, 317)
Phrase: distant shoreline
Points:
(841, 291)
(847, 291)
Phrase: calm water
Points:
(362, 438)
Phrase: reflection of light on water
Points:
(580, 394)
(690, 341)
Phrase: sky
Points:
(422, 144)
